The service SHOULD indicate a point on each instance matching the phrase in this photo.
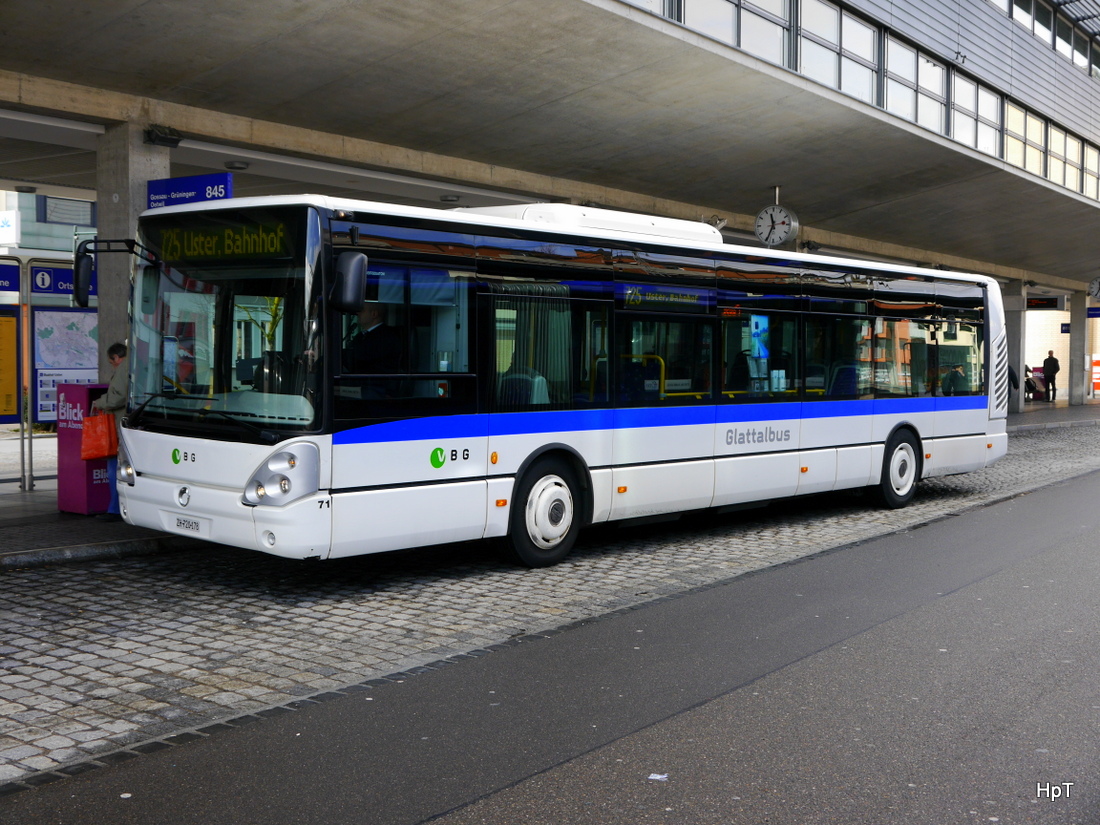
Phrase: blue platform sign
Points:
(9, 277)
(194, 189)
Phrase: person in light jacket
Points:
(114, 401)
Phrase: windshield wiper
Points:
(137, 414)
(264, 435)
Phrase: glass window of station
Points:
(830, 44)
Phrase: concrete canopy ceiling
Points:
(593, 91)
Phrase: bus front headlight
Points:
(290, 474)
(125, 472)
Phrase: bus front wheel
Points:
(900, 470)
(544, 523)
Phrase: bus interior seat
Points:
(844, 380)
(635, 376)
(815, 377)
(515, 389)
(738, 378)
(540, 390)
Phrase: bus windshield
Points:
(227, 326)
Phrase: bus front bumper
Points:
(299, 530)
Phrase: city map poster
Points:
(9, 369)
(66, 351)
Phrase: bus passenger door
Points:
(663, 439)
(837, 416)
(547, 382)
(409, 463)
(757, 437)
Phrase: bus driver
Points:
(376, 347)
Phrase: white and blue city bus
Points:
(549, 366)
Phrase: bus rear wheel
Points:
(900, 470)
(543, 522)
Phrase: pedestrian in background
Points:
(114, 401)
(954, 382)
(1050, 369)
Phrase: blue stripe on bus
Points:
(841, 409)
(635, 418)
(554, 421)
(962, 402)
(417, 429)
(528, 423)
(737, 413)
(901, 406)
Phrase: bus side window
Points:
(760, 357)
(904, 355)
(664, 361)
(425, 313)
(532, 346)
(960, 345)
(376, 340)
(439, 313)
(843, 346)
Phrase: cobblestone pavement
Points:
(101, 661)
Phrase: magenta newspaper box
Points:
(82, 486)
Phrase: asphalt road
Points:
(943, 674)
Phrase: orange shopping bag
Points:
(100, 438)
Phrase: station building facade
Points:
(1016, 79)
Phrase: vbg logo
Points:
(439, 456)
(182, 455)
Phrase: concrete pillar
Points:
(124, 164)
(1079, 366)
(1014, 295)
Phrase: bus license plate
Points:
(184, 523)
(191, 525)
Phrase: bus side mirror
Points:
(82, 274)
(349, 289)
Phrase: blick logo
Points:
(175, 456)
(439, 457)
